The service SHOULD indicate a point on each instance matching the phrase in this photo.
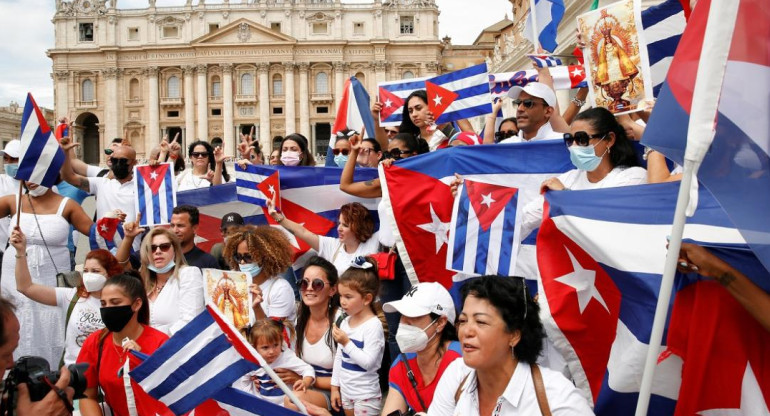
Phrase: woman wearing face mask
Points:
(80, 305)
(45, 221)
(174, 289)
(342, 147)
(428, 343)
(263, 253)
(125, 312)
(295, 152)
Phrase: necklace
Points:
(158, 288)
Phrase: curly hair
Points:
(107, 260)
(268, 247)
(148, 276)
(303, 311)
(359, 220)
(510, 297)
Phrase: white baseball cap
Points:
(423, 299)
(535, 89)
(12, 149)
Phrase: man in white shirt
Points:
(535, 104)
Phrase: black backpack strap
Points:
(413, 381)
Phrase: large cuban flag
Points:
(353, 113)
(40, 157)
(736, 168)
(601, 254)
(155, 193)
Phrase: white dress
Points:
(42, 326)
(187, 180)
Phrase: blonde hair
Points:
(148, 276)
(270, 330)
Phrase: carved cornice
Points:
(151, 71)
(62, 75)
(263, 66)
(226, 68)
(112, 73)
(188, 70)
(303, 66)
(201, 69)
(341, 66)
(289, 66)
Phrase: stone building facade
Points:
(213, 71)
(10, 121)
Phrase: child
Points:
(361, 342)
(267, 338)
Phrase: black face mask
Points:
(120, 169)
(116, 318)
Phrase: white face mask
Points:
(411, 338)
(40, 190)
(290, 158)
(93, 281)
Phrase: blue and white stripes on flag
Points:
(401, 89)
(663, 26)
(205, 356)
(472, 87)
(40, 157)
(549, 14)
(238, 403)
(246, 182)
(155, 193)
(96, 241)
(543, 61)
(353, 113)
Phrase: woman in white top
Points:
(174, 289)
(355, 231)
(208, 167)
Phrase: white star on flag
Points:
(437, 100)
(154, 175)
(583, 281)
(388, 103)
(577, 72)
(103, 227)
(752, 401)
(271, 189)
(440, 229)
(487, 200)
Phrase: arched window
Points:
(408, 75)
(134, 91)
(322, 83)
(247, 84)
(216, 86)
(173, 87)
(277, 84)
(87, 93)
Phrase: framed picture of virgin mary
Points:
(230, 292)
(616, 62)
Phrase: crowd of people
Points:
(348, 343)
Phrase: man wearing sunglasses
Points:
(534, 106)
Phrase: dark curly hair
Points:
(359, 220)
(303, 311)
(268, 246)
(407, 126)
(304, 148)
(622, 152)
(510, 297)
(212, 162)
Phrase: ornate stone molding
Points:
(201, 69)
(263, 66)
(151, 71)
(112, 73)
(303, 66)
(341, 66)
(188, 69)
(431, 66)
(244, 32)
(289, 66)
(319, 17)
(380, 65)
(226, 68)
(62, 75)
(170, 21)
(215, 69)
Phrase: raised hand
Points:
(219, 154)
(174, 146)
(210, 176)
(18, 240)
(132, 229)
(256, 295)
(355, 142)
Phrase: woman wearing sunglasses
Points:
(341, 149)
(208, 167)
(174, 289)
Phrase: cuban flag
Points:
(392, 95)
(417, 197)
(663, 26)
(565, 77)
(106, 233)
(736, 165)
(233, 402)
(354, 112)
(62, 131)
(484, 233)
(545, 61)
(460, 94)
(41, 157)
(548, 14)
(601, 254)
(155, 193)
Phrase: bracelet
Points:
(283, 217)
(18, 256)
(647, 151)
(173, 157)
(578, 102)
(124, 261)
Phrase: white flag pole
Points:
(533, 16)
(708, 86)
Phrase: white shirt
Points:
(84, 320)
(519, 397)
(268, 390)
(385, 234)
(187, 180)
(330, 248)
(545, 132)
(356, 364)
(93, 171)
(179, 302)
(8, 186)
(319, 355)
(277, 300)
(111, 194)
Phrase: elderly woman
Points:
(174, 289)
(501, 337)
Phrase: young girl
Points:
(267, 338)
(361, 342)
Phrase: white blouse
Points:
(179, 302)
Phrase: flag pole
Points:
(717, 39)
(18, 208)
(533, 15)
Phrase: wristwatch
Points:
(578, 102)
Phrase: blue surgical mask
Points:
(341, 160)
(252, 269)
(164, 269)
(11, 169)
(584, 157)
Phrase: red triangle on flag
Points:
(153, 175)
(272, 187)
(488, 200)
(439, 98)
(390, 103)
(106, 227)
(313, 222)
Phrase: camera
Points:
(37, 374)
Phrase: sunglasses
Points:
(528, 103)
(108, 152)
(398, 154)
(351, 133)
(119, 160)
(502, 135)
(581, 138)
(343, 151)
(164, 247)
(238, 257)
(317, 284)
(199, 155)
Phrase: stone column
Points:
(304, 100)
(339, 82)
(264, 105)
(62, 93)
(203, 99)
(229, 138)
(189, 105)
(288, 90)
(379, 71)
(153, 138)
(110, 75)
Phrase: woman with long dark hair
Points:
(208, 167)
(295, 151)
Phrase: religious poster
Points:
(230, 292)
(616, 62)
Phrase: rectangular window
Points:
(170, 32)
(133, 33)
(322, 110)
(276, 26)
(277, 110)
(86, 31)
(213, 27)
(358, 28)
(320, 28)
(172, 114)
(407, 25)
(216, 111)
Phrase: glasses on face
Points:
(391, 132)
(245, 257)
(199, 155)
(581, 138)
(365, 151)
(120, 160)
(164, 247)
(502, 135)
(351, 133)
(344, 152)
(108, 152)
(528, 103)
(316, 284)
(399, 154)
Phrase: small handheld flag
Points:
(543, 61)
(41, 157)
(155, 193)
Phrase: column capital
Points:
(226, 68)
(431, 66)
(188, 70)
(62, 75)
(380, 65)
(201, 69)
(303, 66)
(341, 66)
(289, 66)
(111, 73)
(263, 66)
(151, 71)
